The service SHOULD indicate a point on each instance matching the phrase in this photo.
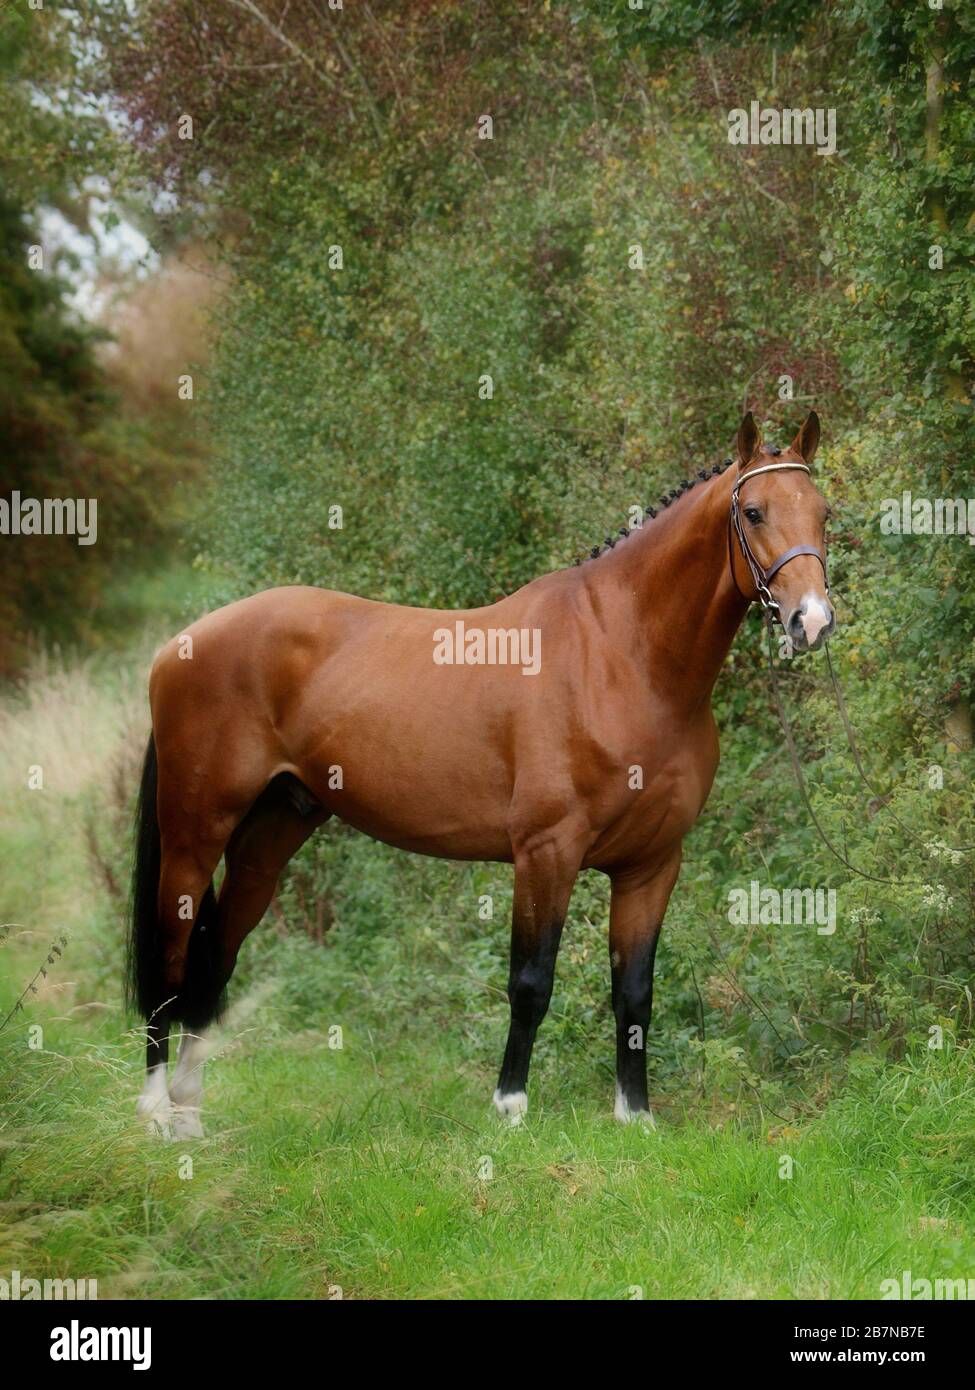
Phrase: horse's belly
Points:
(446, 797)
(483, 843)
(412, 753)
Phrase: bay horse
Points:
(567, 726)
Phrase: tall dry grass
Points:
(74, 721)
(71, 741)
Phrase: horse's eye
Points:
(753, 515)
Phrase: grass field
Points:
(379, 1170)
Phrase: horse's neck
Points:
(673, 581)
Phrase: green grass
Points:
(381, 1168)
(367, 1169)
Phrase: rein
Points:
(762, 577)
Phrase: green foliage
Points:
(905, 189)
(51, 399)
(658, 28)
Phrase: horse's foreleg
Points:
(637, 907)
(544, 875)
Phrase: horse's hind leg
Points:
(184, 895)
(274, 829)
(190, 802)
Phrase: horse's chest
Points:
(661, 792)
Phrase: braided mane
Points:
(650, 512)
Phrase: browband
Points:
(768, 468)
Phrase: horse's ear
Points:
(806, 441)
(749, 439)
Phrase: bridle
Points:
(763, 577)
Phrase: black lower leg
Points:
(529, 991)
(632, 1002)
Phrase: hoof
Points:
(185, 1122)
(511, 1107)
(158, 1119)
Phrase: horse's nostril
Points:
(796, 630)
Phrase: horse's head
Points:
(780, 520)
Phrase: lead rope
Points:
(760, 578)
(797, 769)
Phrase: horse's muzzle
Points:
(809, 625)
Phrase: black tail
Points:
(144, 963)
(200, 998)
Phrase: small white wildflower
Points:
(935, 895)
(864, 917)
(937, 849)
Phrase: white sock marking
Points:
(626, 1116)
(511, 1106)
(186, 1087)
(153, 1105)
